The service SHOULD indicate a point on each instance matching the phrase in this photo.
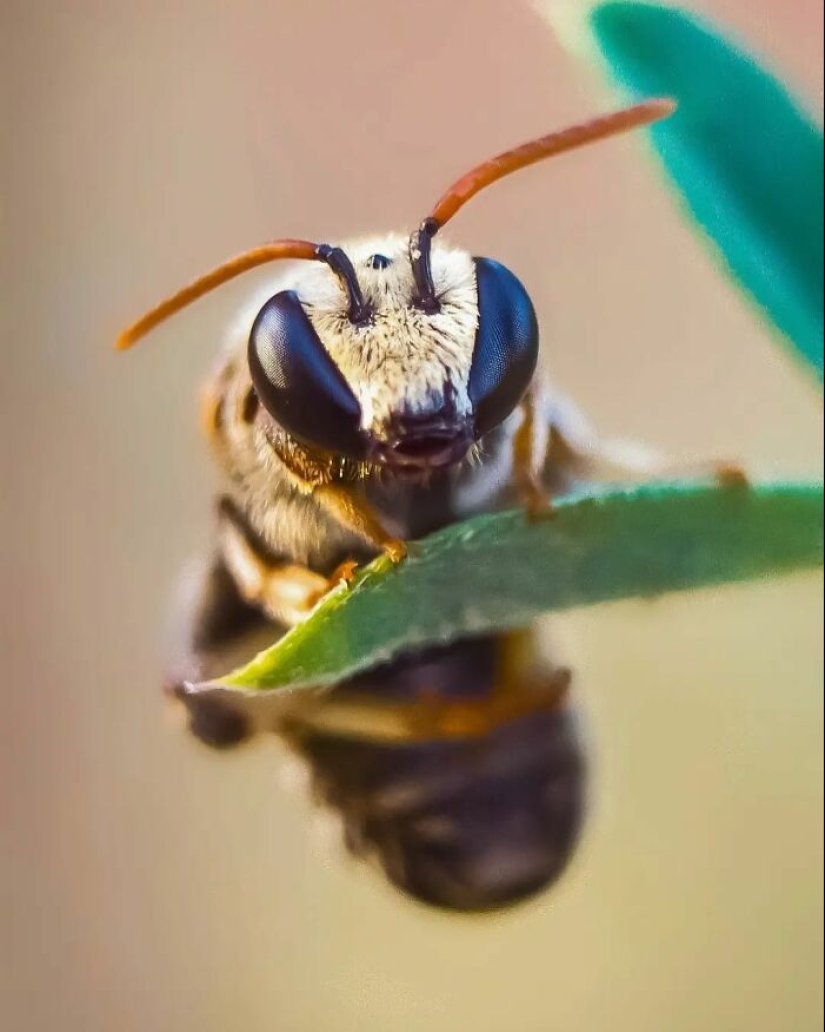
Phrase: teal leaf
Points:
(499, 571)
(746, 157)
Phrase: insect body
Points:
(384, 389)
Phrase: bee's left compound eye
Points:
(506, 347)
(297, 381)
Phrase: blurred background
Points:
(150, 885)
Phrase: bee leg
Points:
(358, 516)
(620, 460)
(524, 683)
(213, 630)
(576, 452)
(529, 457)
(521, 683)
(726, 473)
(286, 592)
(433, 719)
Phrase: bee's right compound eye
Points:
(297, 381)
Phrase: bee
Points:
(388, 387)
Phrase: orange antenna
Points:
(547, 147)
(484, 175)
(273, 252)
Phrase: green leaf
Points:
(499, 571)
(745, 156)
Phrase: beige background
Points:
(148, 885)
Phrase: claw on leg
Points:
(343, 573)
(395, 550)
(731, 474)
(538, 504)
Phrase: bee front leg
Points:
(357, 515)
(286, 592)
(530, 446)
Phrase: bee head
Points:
(395, 352)
(402, 351)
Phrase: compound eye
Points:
(506, 347)
(297, 381)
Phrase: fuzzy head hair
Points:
(401, 362)
(401, 359)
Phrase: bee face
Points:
(425, 349)
(404, 385)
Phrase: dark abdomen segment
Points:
(459, 769)
(472, 818)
